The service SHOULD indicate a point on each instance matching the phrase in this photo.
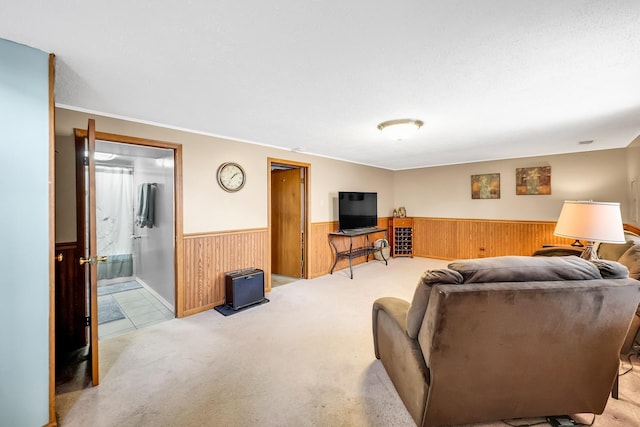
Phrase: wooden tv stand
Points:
(352, 252)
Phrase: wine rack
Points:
(401, 233)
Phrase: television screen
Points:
(357, 210)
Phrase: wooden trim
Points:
(178, 196)
(307, 236)
(631, 228)
(272, 160)
(124, 139)
(52, 244)
(222, 232)
(178, 229)
(94, 350)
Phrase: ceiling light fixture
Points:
(103, 157)
(400, 129)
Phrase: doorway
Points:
(135, 231)
(84, 315)
(288, 220)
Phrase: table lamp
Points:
(590, 221)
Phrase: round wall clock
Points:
(231, 176)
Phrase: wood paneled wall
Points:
(321, 254)
(447, 238)
(207, 257)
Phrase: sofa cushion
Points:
(613, 251)
(631, 260)
(525, 268)
(416, 311)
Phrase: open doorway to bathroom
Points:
(135, 231)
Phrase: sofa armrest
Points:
(400, 354)
(396, 310)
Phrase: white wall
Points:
(24, 236)
(154, 251)
(445, 192)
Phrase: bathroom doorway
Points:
(135, 231)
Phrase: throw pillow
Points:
(631, 259)
(613, 251)
(421, 296)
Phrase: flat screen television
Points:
(357, 210)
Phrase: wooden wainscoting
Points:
(450, 238)
(207, 257)
(321, 253)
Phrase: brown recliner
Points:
(497, 338)
(628, 254)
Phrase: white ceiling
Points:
(491, 79)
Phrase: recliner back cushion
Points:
(525, 269)
(421, 296)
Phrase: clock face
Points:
(231, 176)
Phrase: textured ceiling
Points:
(491, 79)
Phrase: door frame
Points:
(305, 221)
(178, 218)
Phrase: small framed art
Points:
(486, 186)
(535, 180)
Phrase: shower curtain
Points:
(114, 220)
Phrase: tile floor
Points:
(140, 309)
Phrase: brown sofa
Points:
(506, 337)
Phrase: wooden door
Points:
(286, 222)
(87, 241)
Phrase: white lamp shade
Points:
(400, 129)
(591, 221)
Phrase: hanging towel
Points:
(146, 205)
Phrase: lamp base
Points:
(589, 253)
(577, 244)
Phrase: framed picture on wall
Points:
(533, 181)
(486, 186)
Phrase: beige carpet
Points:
(304, 359)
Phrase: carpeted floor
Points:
(304, 359)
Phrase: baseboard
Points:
(164, 302)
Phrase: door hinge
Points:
(87, 321)
(85, 161)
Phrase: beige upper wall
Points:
(446, 191)
(206, 207)
(432, 192)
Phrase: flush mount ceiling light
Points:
(400, 129)
(103, 157)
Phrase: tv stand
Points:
(352, 252)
